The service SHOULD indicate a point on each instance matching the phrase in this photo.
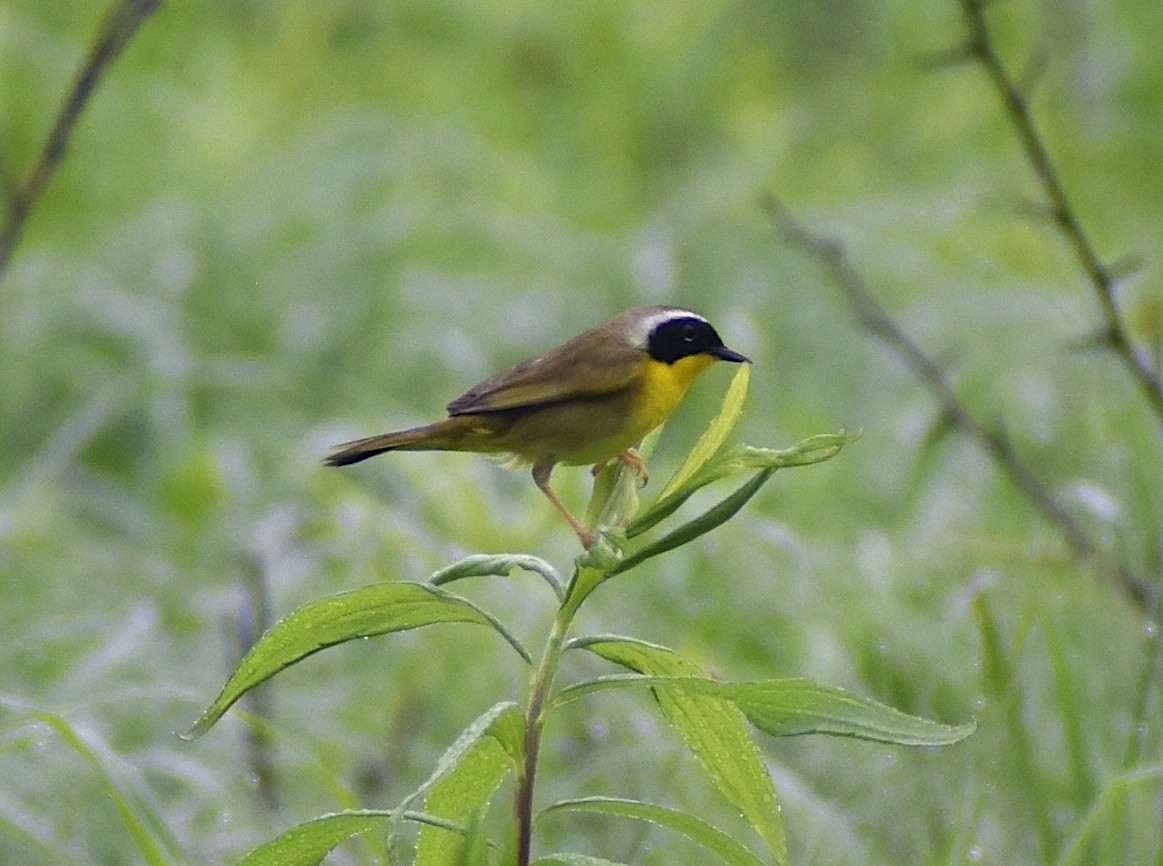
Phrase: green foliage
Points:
(381, 608)
(782, 708)
(715, 731)
(465, 779)
(726, 849)
(307, 844)
(146, 829)
(281, 225)
(709, 717)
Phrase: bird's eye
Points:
(688, 333)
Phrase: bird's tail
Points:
(416, 439)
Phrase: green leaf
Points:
(716, 433)
(1103, 813)
(474, 845)
(500, 565)
(793, 707)
(308, 843)
(574, 860)
(143, 837)
(380, 608)
(742, 458)
(713, 728)
(710, 519)
(714, 840)
(806, 452)
(1001, 682)
(502, 723)
(1072, 712)
(465, 779)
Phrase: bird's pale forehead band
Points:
(648, 325)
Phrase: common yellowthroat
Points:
(588, 401)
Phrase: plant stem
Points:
(118, 29)
(534, 721)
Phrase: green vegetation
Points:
(711, 718)
(278, 226)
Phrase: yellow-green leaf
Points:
(716, 433)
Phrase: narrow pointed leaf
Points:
(308, 843)
(610, 682)
(500, 565)
(147, 845)
(1107, 812)
(575, 860)
(712, 727)
(380, 608)
(790, 707)
(1072, 712)
(814, 449)
(716, 433)
(711, 838)
(465, 779)
(742, 458)
(710, 519)
(501, 723)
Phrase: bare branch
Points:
(994, 441)
(1101, 276)
(118, 28)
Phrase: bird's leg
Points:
(634, 460)
(631, 458)
(541, 470)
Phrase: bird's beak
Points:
(725, 354)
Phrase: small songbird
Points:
(588, 401)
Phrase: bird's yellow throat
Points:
(664, 387)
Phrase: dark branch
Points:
(874, 319)
(118, 29)
(1102, 277)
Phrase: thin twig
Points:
(1102, 277)
(118, 28)
(994, 442)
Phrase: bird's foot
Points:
(631, 458)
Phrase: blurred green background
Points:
(281, 225)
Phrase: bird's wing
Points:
(539, 381)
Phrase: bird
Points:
(587, 402)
